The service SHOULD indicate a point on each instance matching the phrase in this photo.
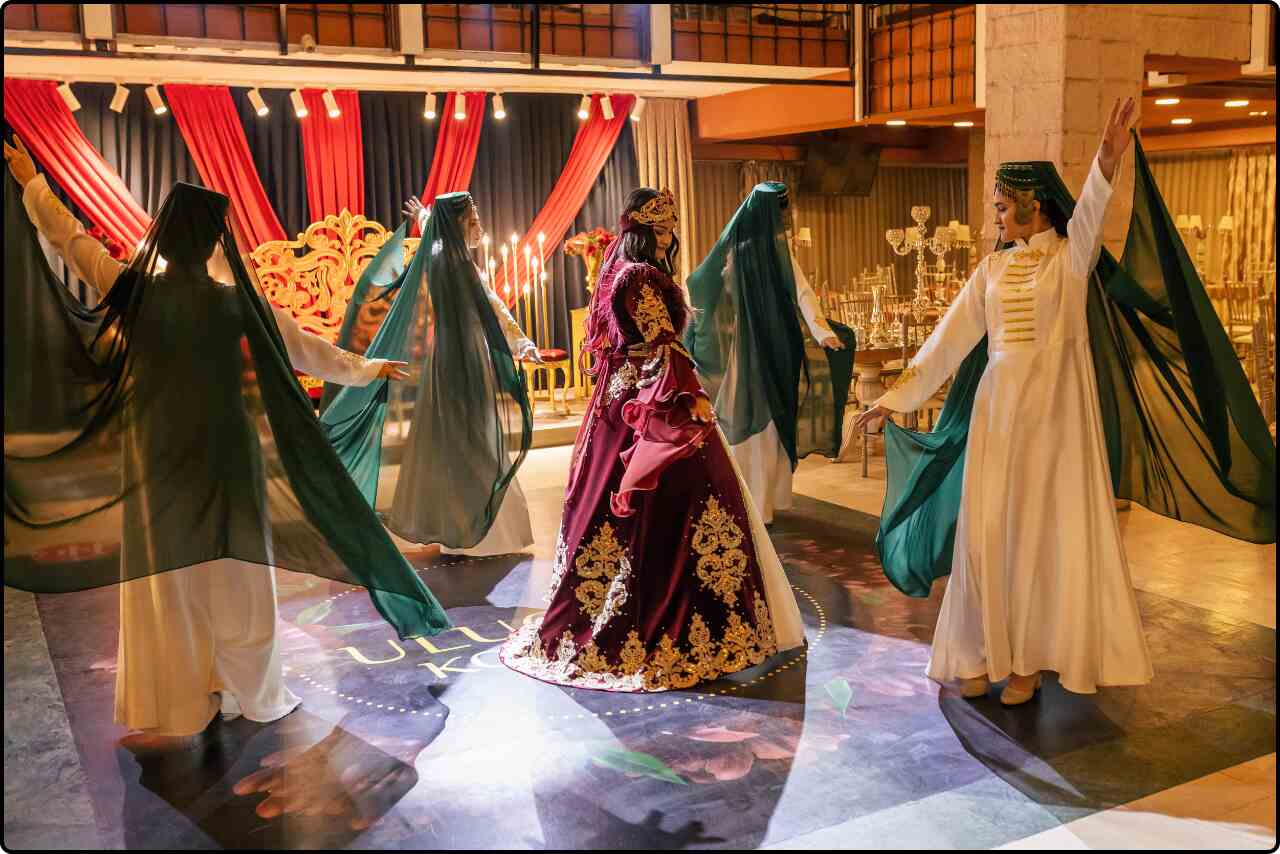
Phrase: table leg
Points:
(868, 388)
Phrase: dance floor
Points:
(843, 744)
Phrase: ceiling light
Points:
(895, 123)
(299, 106)
(606, 107)
(1167, 102)
(119, 99)
(584, 107)
(460, 106)
(637, 109)
(69, 97)
(1182, 121)
(963, 124)
(499, 108)
(429, 106)
(259, 106)
(1236, 103)
(157, 103)
(331, 104)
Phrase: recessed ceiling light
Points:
(963, 124)
(1235, 103)
(1182, 121)
(896, 123)
(1167, 102)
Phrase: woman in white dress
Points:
(201, 638)
(1039, 579)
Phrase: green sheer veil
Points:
(746, 338)
(465, 412)
(1185, 435)
(168, 430)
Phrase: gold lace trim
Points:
(909, 374)
(651, 316)
(721, 564)
(669, 665)
(623, 380)
(602, 558)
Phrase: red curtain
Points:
(332, 154)
(456, 146)
(37, 113)
(210, 124)
(591, 148)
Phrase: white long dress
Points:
(1038, 576)
(512, 529)
(195, 639)
(761, 458)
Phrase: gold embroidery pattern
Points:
(669, 665)
(909, 374)
(651, 315)
(603, 557)
(623, 380)
(721, 564)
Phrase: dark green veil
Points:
(1185, 435)
(460, 428)
(168, 430)
(746, 340)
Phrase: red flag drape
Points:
(210, 124)
(37, 113)
(333, 154)
(591, 148)
(456, 147)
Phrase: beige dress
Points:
(201, 637)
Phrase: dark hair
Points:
(639, 244)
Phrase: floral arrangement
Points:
(590, 246)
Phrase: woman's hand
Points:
(872, 419)
(1115, 137)
(530, 354)
(394, 371)
(412, 207)
(702, 410)
(20, 163)
(831, 342)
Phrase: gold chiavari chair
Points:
(1264, 357)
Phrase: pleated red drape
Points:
(210, 124)
(591, 148)
(332, 154)
(37, 113)
(455, 154)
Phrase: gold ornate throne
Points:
(313, 276)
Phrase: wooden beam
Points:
(1208, 138)
(745, 151)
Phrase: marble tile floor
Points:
(47, 805)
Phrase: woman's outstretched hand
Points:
(1115, 137)
(20, 163)
(398, 371)
(872, 418)
(412, 206)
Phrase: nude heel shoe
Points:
(1013, 695)
(972, 689)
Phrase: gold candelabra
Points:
(905, 241)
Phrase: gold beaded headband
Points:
(661, 208)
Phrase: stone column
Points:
(1053, 72)
(978, 207)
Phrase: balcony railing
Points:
(42, 17)
(240, 22)
(813, 35)
(571, 30)
(919, 55)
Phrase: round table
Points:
(868, 365)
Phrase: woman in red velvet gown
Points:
(664, 575)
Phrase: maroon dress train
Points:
(657, 582)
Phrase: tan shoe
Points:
(1020, 689)
(972, 689)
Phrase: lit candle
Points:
(506, 273)
(488, 264)
(528, 282)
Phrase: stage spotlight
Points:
(331, 104)
(119, 99)
(69, 97)
(157, 103)
(299, 105)
(499, 108)
(259, 106)
(637, 109)
(606, 107)
(584, 107)
(460, 106)
(429, 106)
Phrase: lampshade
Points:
(804, 236)
(1182, 221)
(1195, 221)
(1227, 223)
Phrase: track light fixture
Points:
(259, 106)
(157, 102)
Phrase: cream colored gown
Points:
(1039, 579)
(201, 637)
